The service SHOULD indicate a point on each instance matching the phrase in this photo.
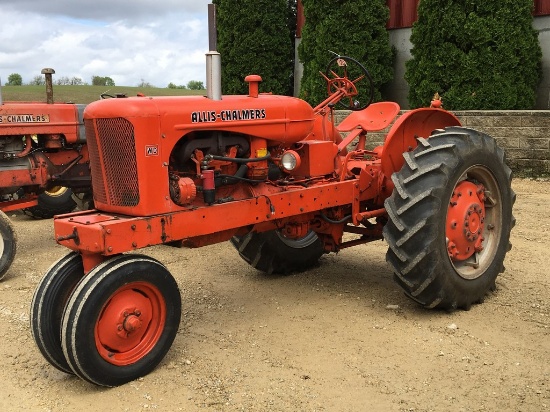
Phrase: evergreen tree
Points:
(354, 28)
(253, 38)
(477, 54)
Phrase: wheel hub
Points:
(131, 323)
(465, 221)
(124, 321)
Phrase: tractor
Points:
(43, 162)
(280, 180)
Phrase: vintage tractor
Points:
(283, 183)
(43, 162)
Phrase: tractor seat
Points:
(375, 117)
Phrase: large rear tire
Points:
(48, 304)
(8, 243)
(56, 201)
(450, 219)
(273, 253)
(120, 320)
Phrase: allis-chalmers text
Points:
(211, 116)
(24, 118)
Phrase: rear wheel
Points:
(121, 320)
(450, 219)
(273, 253)
(56, 201)
(8, 243)
(48, 304)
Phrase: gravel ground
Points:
(341, 337)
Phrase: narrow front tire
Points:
(121, 320)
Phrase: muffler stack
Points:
(213, 59)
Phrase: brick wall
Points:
(524, 136)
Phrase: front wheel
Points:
(273, 253)
(48, 304)
(8, 243)
(450, 219)
(121, 320)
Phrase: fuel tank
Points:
(271, 117)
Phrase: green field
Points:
(85, 94)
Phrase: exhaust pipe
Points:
(49, 84)
(213, 59)
(1, 101)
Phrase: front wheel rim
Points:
(474, 222)
(130, 323)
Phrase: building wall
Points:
(542, 25)
(398, 89)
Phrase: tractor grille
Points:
(113, 161)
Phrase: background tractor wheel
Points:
(8, 244)
(450, 219)
(272, 253)
(57, 201)
(120, 320)
(48, 303)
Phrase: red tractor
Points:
(281, 181)
(43, 162)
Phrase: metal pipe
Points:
(213, 59)
(212, 28)
(213, 75)
(47, 72)
(1, 101)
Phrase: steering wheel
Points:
(348, 75)
(107, 96)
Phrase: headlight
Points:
(290, 160)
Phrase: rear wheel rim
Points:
(299, 243)
(474, 222)
(56, 191)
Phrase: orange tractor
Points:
(43, 162)
(281, 181)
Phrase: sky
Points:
(130, 41)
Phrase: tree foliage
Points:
(143, 83)
(15, 79)
(195, 85)
(175, 86)
(477, 54)
(37, 81)
(102, 81)
(66, 81)
(354, 28)
(254, 38)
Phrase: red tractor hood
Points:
(272, 117)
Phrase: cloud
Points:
(129, 41)
(109, 10)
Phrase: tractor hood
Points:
(272, 117)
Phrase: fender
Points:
(402, 136)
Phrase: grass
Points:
(85, 94)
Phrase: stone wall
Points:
(524, 136)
